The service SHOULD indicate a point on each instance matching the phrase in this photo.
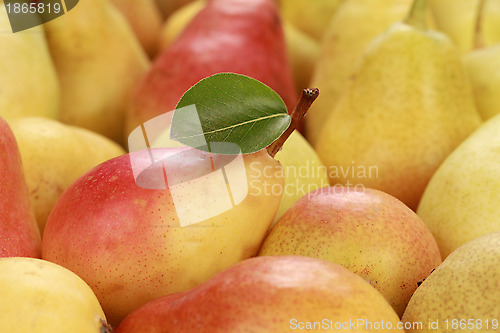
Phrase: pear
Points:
(168, 7)
(302, 50)
(458, 20)
(19, 234)
(462, 294)
(29, 85)
(342, 48)
(121, 228)
(304, 171)
(99, 62)
(482, 65)
(39, 296)
(407, 107)
(310, 17)
(270, 294)
(54, 155)
(226, 36)
(145, 19)
(367, 231)
(461, 201)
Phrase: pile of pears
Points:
(376, 211)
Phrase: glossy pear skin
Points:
(408, 106)
(19, 234)
(266, 294)
(99, 62)
(464, 287)
(367, 231)
(39, 296)
(226, 36)
(461, 201)
(127, 243)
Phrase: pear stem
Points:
(417, 17)
(478, 32)
(307, 97)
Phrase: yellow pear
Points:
(145, 19)
(304, 172)
(54, 155)
(168, 7)
(462, 294)
(99, 62)
(42, 297)
(461, 201)
(28, 80)
(342, 48)
(302, 49)
(407, 107)
(310, 17)
(457, 19)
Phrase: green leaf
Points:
(227, 111)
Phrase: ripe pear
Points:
(461, 201)
(304, 171)
(226, 36)
(302, 50)
(99, 62)
(19, 234)
(458, 20)
(39, 296)
(145, 19)
(54, 155)
(168, 7)
(126, 240)
(409, 104)
(310, 17)
(367, 231)
(462, 294)
(342, 48)
(29, 85)
(270, 294)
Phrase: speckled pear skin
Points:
(366, 231)
(409, 104)
(465, 286)
(265, 294)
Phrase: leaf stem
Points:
(307, 97)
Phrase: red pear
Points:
(240, 36)
(19, 234)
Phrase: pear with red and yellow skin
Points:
(269, 294)
(145, 19)
(127, 242)
(367, 231)
(240, 36)
(19, 234)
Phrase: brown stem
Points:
(307, 97)
(478, 31)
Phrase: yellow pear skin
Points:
(54, 155)
(29, 85)
(304, 171)
(99, 63)
(42, 297)
(461, 201)
(145, 19)
(341, 49)
(462, 294)
(457, 19)
(483, 69)
(310, 17)
(407, 107)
